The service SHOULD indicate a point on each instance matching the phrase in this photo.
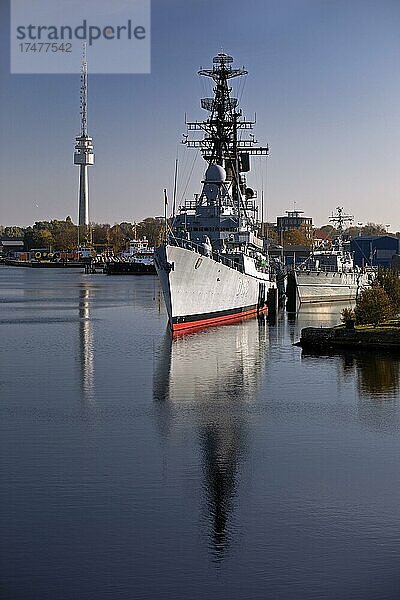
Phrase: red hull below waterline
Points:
(216, 320)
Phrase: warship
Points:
(212, 265)
(328, 275)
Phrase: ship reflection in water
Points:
(86, 353)
(206, 377)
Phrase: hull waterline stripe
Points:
(214, 318)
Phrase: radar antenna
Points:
(221, 144)
(83, 94)
(339, 219)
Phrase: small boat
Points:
(138, 260)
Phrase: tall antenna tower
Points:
(84, 156)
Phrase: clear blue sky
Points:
(324, 80)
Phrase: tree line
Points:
(63, 235)
(300, 236)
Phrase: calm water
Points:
(224, 464)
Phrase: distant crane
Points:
(84, 156)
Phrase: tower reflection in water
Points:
(86, 354)
(209, 377)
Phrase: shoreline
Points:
(384, 337)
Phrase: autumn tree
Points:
(322, 234)
(296, 237)
(117, 239)
(373, 306)
(152, 229)
(127, 230)
(367, 229)
(101, 234)
(14, 232)
(38, 236)
(46, 239)
(348, 317)
(373, 229)
(328, 231)
(65, 236)
(389, 280)
(270, 235)
(60, 235)
(352, 232)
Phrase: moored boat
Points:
(328, 275)
(138, 260)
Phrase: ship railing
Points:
(188, 205)
(218, 257)
(320, 269)
(327, 268)
(201, 249)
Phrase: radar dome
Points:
(215, 174)
(249, 193)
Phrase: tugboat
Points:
(328, 275)
(212, 266)
(138, 260)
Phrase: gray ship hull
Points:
(200, 291)
(322, 286)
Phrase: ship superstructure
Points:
(212, 266)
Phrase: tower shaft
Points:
(84, 155)
(83, 218)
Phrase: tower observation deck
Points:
(84, 156)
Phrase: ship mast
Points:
(220, 144)
(340, 219)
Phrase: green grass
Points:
(393, 324)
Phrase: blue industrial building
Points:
(374, 250)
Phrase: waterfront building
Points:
(266, 228)
(375, 250)
(9, 245)
(289, 255)
(294, 220)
